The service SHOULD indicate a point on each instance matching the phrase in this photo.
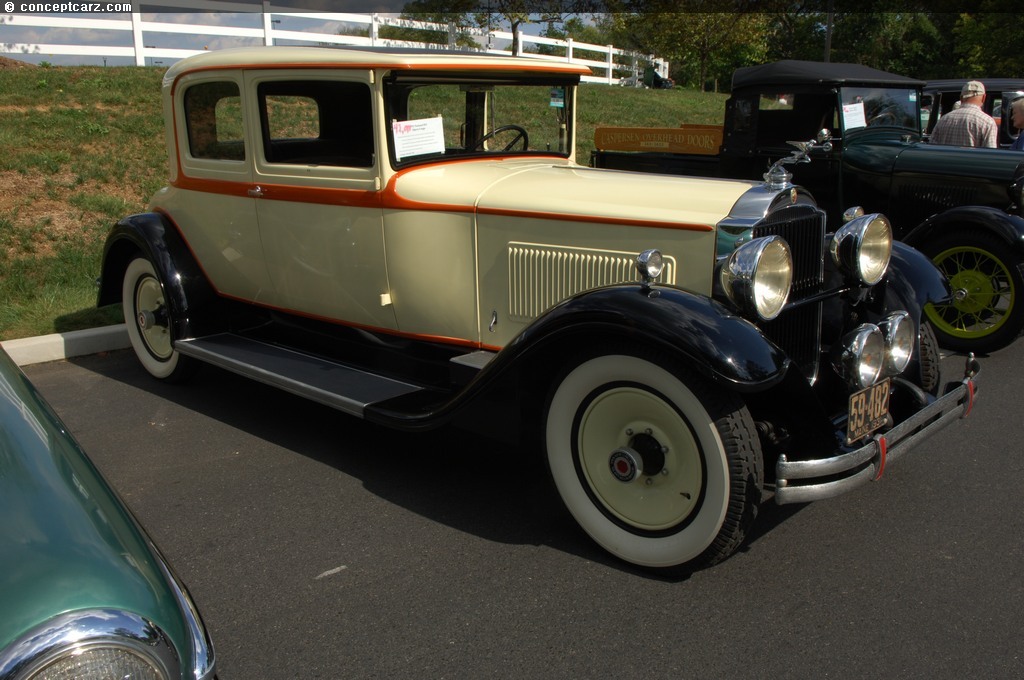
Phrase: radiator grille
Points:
(797, 331)
(541, 276)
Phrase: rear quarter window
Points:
(213, 114)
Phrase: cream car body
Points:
(417, 243)
(407, 237)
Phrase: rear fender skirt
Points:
(1008, 228)
(186, 288)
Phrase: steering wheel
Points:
(520, 135)
(884, 118)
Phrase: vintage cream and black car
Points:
(406, 237)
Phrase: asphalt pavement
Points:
(320, 546)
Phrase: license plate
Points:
(869, 409)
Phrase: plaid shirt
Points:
(966, 126)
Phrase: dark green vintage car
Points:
(959, 206)
(84, 592)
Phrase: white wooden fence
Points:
(608, 63)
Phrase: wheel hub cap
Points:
(973, 291)
(146, 320)
(625, 464)
(639, 458)
(644, 456)
(151, 318)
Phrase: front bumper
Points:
(811, 480)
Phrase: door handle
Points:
(256, 192)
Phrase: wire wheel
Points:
(984, 313)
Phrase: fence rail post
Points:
(140, 48)
(268, 24)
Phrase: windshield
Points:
(878, 106)
(442, 117)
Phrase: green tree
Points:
(515, 13)
(454, 13)
(797, 34)
(578, 30)
(898, 42)
(702, 47)
(989, 43)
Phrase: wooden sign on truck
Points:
(696, 139)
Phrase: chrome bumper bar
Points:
(847, 471)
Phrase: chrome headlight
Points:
(97, 663)
(92, 645)
(757, 276)
(861, 356)
(650, 265)
(861, 248)
(899, 334)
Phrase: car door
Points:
(318, 194)
(208, 199)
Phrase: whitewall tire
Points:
(149, 322)
(657, 465)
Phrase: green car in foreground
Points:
(84, 592)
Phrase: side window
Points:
(776, 119)
(743, 114)
(794, 116)
(292, 117)
(927, 101)
(316, 122)
(1009, 132)
(213, 113)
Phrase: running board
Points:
(336, 385)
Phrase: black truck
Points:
(960, 206)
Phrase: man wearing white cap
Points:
(967, 125)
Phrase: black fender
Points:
(1007, 228)
(186, 289)
(912, 281)
(719, 344)
(710, 338)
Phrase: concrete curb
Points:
(58, 346)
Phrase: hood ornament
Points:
(778, 177)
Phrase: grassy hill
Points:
(81, 147)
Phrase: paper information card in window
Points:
(418, 137)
